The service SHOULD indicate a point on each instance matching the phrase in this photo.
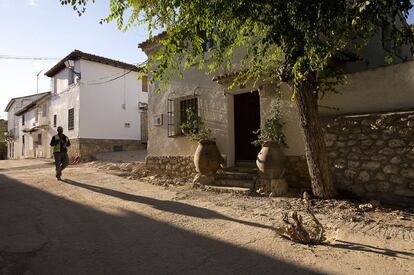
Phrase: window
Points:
(54, 121)
(22, 120)
(177, 113)
(185, 105)
(71, 119)
(145, 84)
(39, 139)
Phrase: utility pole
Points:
(37, 81)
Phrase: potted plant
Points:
(207, 158)
(192, 124)
(271, 160)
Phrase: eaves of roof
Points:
(76, 54)
(152, 40)
(16, 98)
(33, 104)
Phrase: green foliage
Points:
(193, 127)
(272, 130)
(284, 40)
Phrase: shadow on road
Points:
(76, 239)
(45, 164)
(165, 205)
(371, 249)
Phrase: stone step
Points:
(243, 183)
(222, 189)
(236, 175)
(240, 169)
(246, 163)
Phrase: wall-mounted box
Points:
(157, 120)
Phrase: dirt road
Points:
(95, 223)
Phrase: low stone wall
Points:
(373, 155)
(74, 148)
(182, 166)
(86, 148)
(296, 173)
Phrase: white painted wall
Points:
(212, 103)
(29, 122)
(14, 123)
(102, 115)
(388, 88)
(60, 82)
(60, 104)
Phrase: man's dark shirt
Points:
(64, 142)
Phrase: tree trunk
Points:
(315, 149)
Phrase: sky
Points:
(45, 28)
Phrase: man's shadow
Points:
(165, 205)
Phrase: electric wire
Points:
(11, 57)
(109, 80)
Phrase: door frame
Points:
(231, 152)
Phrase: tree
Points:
(297, 42)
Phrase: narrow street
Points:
(96, 223)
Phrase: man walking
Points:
(60, 142)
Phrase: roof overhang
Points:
(76, 55)
(21, 97)
(33, 104)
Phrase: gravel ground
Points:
(95, 222)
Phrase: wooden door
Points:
(246, 120)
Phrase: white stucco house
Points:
(372, 88)
(100, 103)
(15, 134)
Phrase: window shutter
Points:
(71, 119)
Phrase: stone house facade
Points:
(232, 115)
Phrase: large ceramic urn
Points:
(271, 161)
(207, 157)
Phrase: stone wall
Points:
(86, 148)
(181, 166)
(296, 173)
(74, 148)
(373, 155)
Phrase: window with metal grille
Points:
(71, 119)
(22, 120)
(177, 113)
(54, 120)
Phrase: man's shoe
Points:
(58, 178)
